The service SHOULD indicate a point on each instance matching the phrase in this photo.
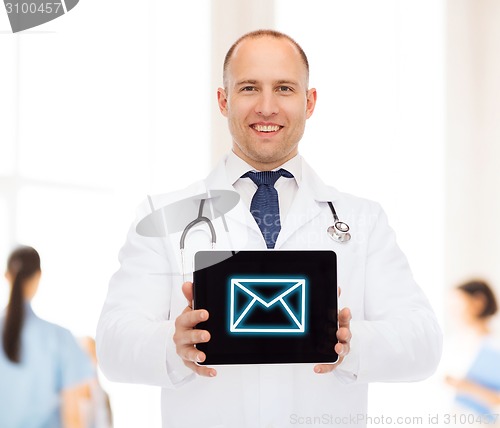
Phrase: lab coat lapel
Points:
(217, 179)
(307, 203)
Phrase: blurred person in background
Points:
(96, 407)
(42, 367)
(478, 389)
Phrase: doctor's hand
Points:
(186, 336)
(342, 347)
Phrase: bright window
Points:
(98, 109)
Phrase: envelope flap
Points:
(269, 291)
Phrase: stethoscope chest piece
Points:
(339, 232)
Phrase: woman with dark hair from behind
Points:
(479, 390)
(42, 367)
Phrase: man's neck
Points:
(264, 166)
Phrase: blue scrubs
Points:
(485, 371)
(51, 360)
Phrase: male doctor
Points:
(147, 333)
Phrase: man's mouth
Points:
(266, 128)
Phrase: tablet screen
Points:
(267, 306)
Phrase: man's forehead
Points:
(277, 58)
(251, 46)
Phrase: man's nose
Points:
(267, 104)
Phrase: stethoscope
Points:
(200, 219)
(339, 231)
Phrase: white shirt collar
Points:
(236, 167)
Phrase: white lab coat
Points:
(395, 336)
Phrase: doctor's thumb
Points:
(187, 290)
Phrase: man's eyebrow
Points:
(287, 82)
(246, 82)
(277, 82)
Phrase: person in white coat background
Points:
(146, 330)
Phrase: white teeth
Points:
(266, 128)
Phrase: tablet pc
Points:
(267, 306)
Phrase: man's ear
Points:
(311, 102)
(222, 100)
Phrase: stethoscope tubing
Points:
(199, 219)
(338, 232)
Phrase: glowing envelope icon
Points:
(267, 305)
(24, 14)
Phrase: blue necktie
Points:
(265, 206)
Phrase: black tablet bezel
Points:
(213, 269)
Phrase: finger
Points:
(201, 370)
(344, 335)
(345, 318)
(187, 290)
(191, 337)
(324, 368)
(189, 318)
(342, 349)
(190, 353)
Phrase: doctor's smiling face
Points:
(266, 100)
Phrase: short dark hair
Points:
(263, 33)
(481, 288)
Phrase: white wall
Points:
(473, 141)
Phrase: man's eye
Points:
(284, 89)
(248, 88)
